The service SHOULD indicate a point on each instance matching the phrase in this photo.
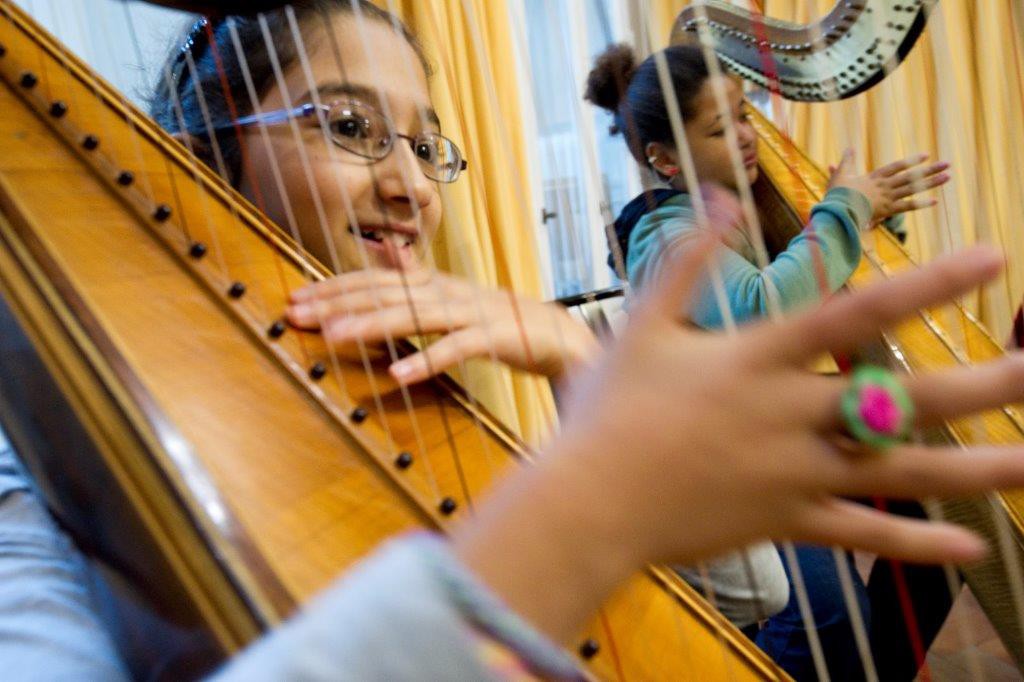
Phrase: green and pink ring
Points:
(876, 408)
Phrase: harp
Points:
(228, 481)
(848, 50)
(222, 467)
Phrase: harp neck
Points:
(847, 51)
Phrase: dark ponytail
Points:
(211, 78)
(632, 93)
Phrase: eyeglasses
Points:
(362, 130)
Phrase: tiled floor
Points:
(966, 635)
(966, 645)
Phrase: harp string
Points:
(182, 218)
(329, 239)
(1005, 542)
(410, 69)
(221, 169)
(930, 509)
(905, 133)
(328, 236)
(714, 269)
(843, 572)
(560, 159)
(243, 152)
(204, 200)
(703, 576)
(899, 578)
(144, 178)
(503, 138)
(589, 166)
(453, 219)
(714, 266)
(842, 565)
(566, 212)
(275, 170)
(788, 549)
(845, 575)
(520, 194)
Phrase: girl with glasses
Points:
(354, 168)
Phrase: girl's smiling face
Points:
(350, 212)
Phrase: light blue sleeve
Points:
(791, 279)
(402, 614)
(49, 627)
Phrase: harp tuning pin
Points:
(589, 648)
(276, 330)
(162, 213)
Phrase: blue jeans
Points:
(49, 629)
(784, 637)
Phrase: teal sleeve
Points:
(790, 279)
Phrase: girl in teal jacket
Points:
(818, 261)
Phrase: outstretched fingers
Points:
(848, 524)
(917, 471)
(846, 321)
(937, 396)
(899, 166)
(966, 390)
(908, 205)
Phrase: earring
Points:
(652, 159)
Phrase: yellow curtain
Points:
(663, 15)
(957, 97)
(488, 233)
(960, 97)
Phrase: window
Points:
(587, 175)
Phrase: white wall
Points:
(99, 32)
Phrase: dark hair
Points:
(633, 93)
(220, 65)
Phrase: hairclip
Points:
(195, 34)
